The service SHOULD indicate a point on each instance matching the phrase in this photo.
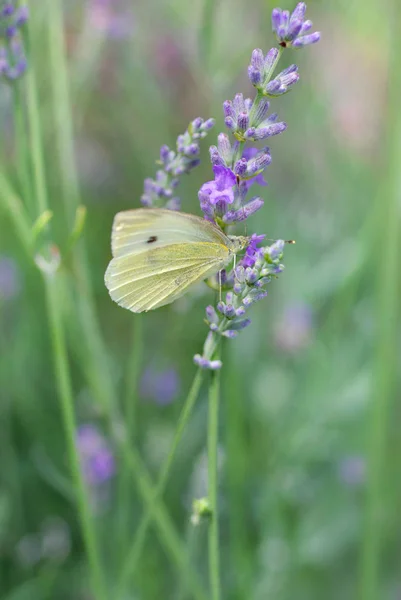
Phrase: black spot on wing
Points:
(151, 239)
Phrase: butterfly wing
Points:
(135, 231)
(158, 276)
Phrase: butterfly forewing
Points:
(136, 231)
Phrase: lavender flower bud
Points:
(240, 324)
(209, 124)
(224, 147)
(241, 167)
(298, 14)
(283, 82)
(215, 157)
(307, 26)
(243, 121)
(257, 59)
(230, 333)
(306, 40)
(228, 108)
(164, 153)
(255, 76)
(239, 104)
(230, 123)
(261, 112)
(196, 124)
(276, 18)
(204, 363)
(294, 29)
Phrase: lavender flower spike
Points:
(12, 55)
(290, 30)
(159, 192)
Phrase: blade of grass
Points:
(212, 449)
(97, 364)
(130, 419)
(386, 359)
(62, 372)
(133, 555)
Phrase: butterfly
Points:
(158, 254)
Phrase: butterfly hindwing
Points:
(160, 275)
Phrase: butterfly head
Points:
(238, 242)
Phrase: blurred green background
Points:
(309, 456)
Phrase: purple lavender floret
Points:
(215, 196)
(97, 459)
(291, 29)
(159, 192)
(258, 267)
(249, 122)
(13, 62)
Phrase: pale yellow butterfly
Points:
(158, 254)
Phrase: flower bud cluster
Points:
(159, 192)
(291, 29)
(249, 121)
(258, 267)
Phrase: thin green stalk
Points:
(236, 465)
(17, 213)
(206, 31)
(388, 301)
(96, 364)
(20, 144)
(130, 411)
(132, 376)
(166, 529)
(64, 389)
(212, 448)
(131, 562)
(55, 318)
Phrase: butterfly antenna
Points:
(285, 241)
(220, 285)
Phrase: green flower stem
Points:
(212, 448)
(17, 213)
(206, 31)
(64, 388)
(130, 418)
(387, 344)
(165, 528)
(237, 466)
(55, 318)
(131, 562)
(21, 146)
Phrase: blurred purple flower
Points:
(104, 17)
(161, 387)
(352, 470)
(293, 330)
(10, 283)
(97, 460)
